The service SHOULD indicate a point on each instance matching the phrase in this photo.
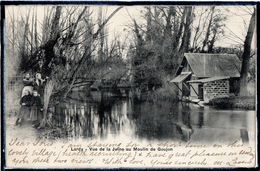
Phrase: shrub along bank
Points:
(242, 102)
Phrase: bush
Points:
(243, 102)
(166, 93)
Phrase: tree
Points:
(66, 46)
(178, 33)
(246, 55)
(49, 53)
(208, 29)
(187, 30)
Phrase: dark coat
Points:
(25, 110)
(36, 113)
(27, 99)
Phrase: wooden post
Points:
(194, 90)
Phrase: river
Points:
(105, 116)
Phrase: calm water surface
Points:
(103, 116)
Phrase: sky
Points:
(236, 24)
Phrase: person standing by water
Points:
(39, 84)
(40, 75)
(25, 102)
(28, 84)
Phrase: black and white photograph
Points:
(154, 74)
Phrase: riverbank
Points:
(244, 102)
(166, 93)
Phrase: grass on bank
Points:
(242, 102)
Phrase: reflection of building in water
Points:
(192, 117)
(183, 123)
(156, 121)
(186, 116)
(112, 117)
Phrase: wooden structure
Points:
(206, 76)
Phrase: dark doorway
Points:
(185, 89)
(200, 87)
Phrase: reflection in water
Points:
(102, 115)
(201, 119)
(90, 118)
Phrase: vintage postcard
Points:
(140, 86)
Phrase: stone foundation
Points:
(214, 89)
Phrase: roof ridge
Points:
(212, 53)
